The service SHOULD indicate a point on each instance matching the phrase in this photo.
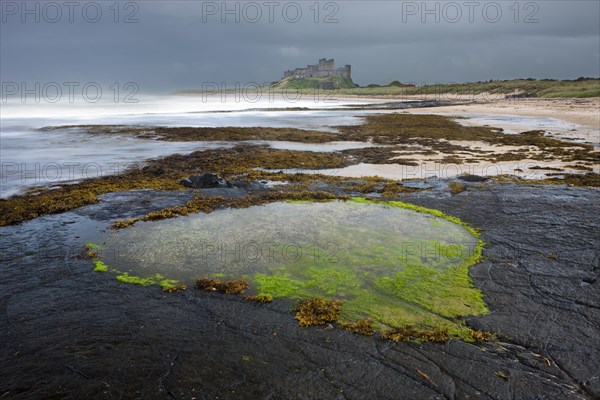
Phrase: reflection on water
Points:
(316, 147)
(236, 242)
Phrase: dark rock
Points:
(539, 278)
(472, 178)
(206, 180)
(154, 170)
(429, 183)
(186, 182)
(225, 192)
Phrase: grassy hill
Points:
(547, 88)
(328, 83)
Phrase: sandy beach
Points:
(585, 112)
(578, 119)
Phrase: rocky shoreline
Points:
(68, 332)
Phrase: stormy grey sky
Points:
(168, 45)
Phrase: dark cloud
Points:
(175, 45)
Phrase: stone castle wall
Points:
(323, 69)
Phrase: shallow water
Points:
(193, 110)
(430, 169)
(31, 157)
(358, 252)
(50, 158)
(554, 127)
(237, 242)
(46, 158)
(315, 147)
(518, 123)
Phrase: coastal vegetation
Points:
(326, 83)
(491, 90)
(544, 88)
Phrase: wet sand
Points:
(583, 112)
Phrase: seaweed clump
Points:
(456, 188)
(200, 204)
(361, 327)
(480, 336)
(590, 179)
(410, 334)
(237, 286)
(162, 174)
(260, 298)
(317, 311)
(89, 251)
(172, 286)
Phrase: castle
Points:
(323, 69)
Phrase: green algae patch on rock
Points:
(100, 266)
(167, 285)
(391, 263)
(135, 280)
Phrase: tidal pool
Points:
(396, 263)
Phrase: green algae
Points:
(136, 280)
(100, 266)
(167, 285)
(278, 285)
(420, 294)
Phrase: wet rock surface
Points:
(206, 180)
(68, 332)
(430, 183)
(472, 178)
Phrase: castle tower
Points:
(323, 69)
(322, 63)
(347, 71)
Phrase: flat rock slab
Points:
(68, 332)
